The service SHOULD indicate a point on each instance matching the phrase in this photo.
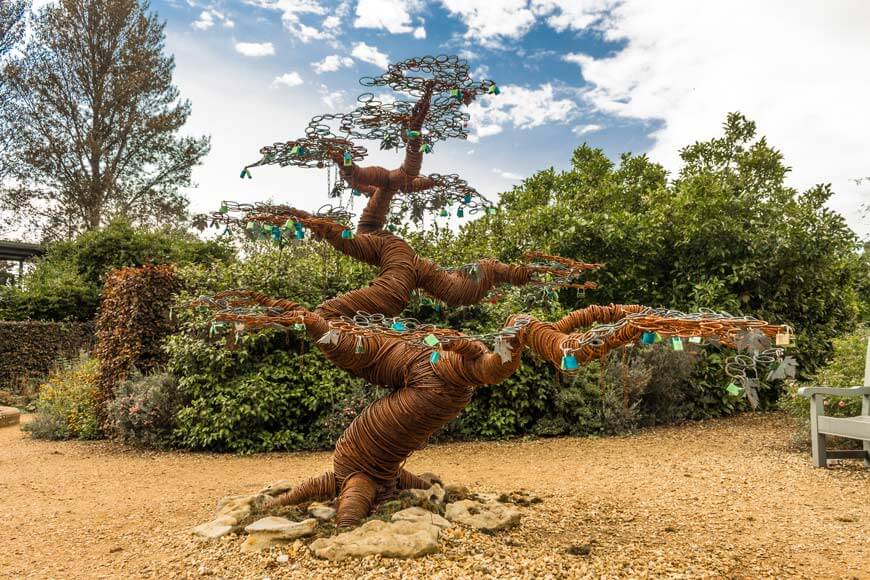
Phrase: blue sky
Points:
(623, 75)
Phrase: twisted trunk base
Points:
(367, 465)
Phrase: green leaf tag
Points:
(734, 389)
(431, 340)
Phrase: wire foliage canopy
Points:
(432, 92)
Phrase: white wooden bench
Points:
(849, 427)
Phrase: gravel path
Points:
(724, 498)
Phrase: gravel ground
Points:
(725, 498)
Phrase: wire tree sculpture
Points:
(431, 372)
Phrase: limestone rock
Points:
(231, 511)
(431, 478)
(487, 516)
(418, 514)
(271, 531)
(434, 495)
(321, 511)
(456, 492)
(277, 488)
(213, 529)
(402, 539)
(239, 506)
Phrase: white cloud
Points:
(332, 99)
(255, 49)
(420, 33)
(791, 66)
(292, 12)
(489, 21)
(332, 63)
(370, 54)
(394, 16)
(290, 79)
(584, 129)
(521, 107)
(208, 17)
(562, 15)
(507, 174)
(481, 131)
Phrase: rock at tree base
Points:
(215, 528)
(277, 488)
(231, 511)
(434, 495)
(402, 539)
(271, 531)
(456, 492)
(488, 516)
(321, 511)
(431, 478)
(418, 514)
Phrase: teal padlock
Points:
(569, 362)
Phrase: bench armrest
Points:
(850, 392)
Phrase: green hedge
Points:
(274, 391)
(30, 349)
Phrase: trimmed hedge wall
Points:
(30, 348)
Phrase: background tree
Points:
(12, 14)
(727, 233)
(99, 120)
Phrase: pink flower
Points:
(135, 409)
(841, 404)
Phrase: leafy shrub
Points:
(120, 245)
(66, 283)
(134, 320)
(640, 386)
(845, 369)
(259, 396)
(143, 410)
(68, 403)
(263, 394)
(53, 291)
(508, 409)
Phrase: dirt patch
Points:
(718, 498)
